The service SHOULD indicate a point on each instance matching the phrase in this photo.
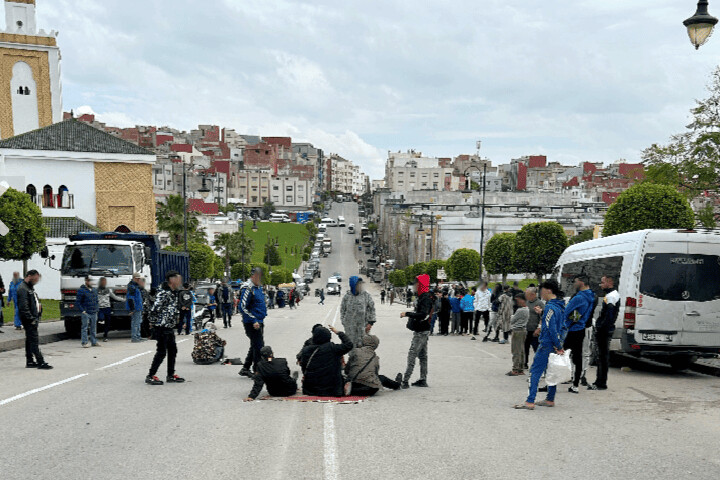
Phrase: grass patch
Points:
(289, 235)
(50, 312)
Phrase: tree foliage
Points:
(202, 260)
(464, 264)
(218, 268)
(272, 256)
(24, 220)
(169, 218)
(240, 271)
(268, 208)
(397, 278)
(538, 247)
(583, 236)
(432, 267)
(648, 205)
(499, 255)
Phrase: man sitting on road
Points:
(274, 374)
(357, 311)
(363, 369)
(321, 363)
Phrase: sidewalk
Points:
(12, 339)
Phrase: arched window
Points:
(48, 200)
(63, 197)
(31, 190)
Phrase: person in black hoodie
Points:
(444, 314)
(225, 297)
(421, 331)
(274, 374)
(321, 363)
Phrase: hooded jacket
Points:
(357, 309)
(551, 333)
(356, 369)
(133, 299)
(252, 303)
(275, 376)
(424, 304)
(321, 364)
(87, 299)
(467, 303)
(579, 310)
(164, 312)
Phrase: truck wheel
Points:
(681, 363)
(72, 327)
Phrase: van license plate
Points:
(657, 337)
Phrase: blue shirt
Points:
(455, 305)
(467, 304)
(578, 310)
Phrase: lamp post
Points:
(185, 206)
(700, 26)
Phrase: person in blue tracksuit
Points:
(467, 305)
(551, 336)
(578, 314)
(254, 311)
(456, 312)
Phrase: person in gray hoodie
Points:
(363, 369)
(357, 311)
(518, 325)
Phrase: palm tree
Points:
(169, 216)
(234, 247)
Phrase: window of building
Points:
(412, 174)
(254, 199)
(48, 197)
(301, 200)
(436, 175)
(275, 188)
(254, 189)
(288, 198)
(31, 190)
(289, 188)
(301, 188)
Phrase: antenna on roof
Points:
(72, 114)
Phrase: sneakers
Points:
(596, 387)
(85, 345)
(485, 339)
(502, 342)
(405, 385)
(96, 345)
(44, 366)
(420, 383)
(174, 379)
(31, 365)
(105, 339)
(514, 373)
(152, 380)
(573, 389)
(245, 373)
(495, 340)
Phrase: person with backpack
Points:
(226, 297)
(274, 374)
(363, 369)
(419, 323)
(163, 319)
(321, 363)
(254, 311)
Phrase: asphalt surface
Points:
(105, 423)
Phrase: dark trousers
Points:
(227, 314)
(602, 339)
(476, 320)
(530, 341)
(104, 316)
(444, 324)
(361, 390)
(256, 343)
(185, 319)
(32, 342)
(465, 321)
(574, 343)
(166, 346)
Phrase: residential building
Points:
(407, 171)
(291, 193)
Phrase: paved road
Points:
(105, 423)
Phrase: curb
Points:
(44, 339)
(706, 369)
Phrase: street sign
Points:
(441, 274)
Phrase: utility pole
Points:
(184, 207)
(482, 223)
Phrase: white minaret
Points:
(20, 17)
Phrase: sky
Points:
(588, 80)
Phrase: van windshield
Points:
(681, 277)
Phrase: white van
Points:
(279, 218)
(330, 222)
(322, 228)
(669, 285)
(341, 221)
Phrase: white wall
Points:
(49, 286)
(24, 107)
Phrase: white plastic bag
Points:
(559, 369)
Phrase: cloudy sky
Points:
(592, 80)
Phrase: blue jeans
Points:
(135, 322)
(539, 366)
(18, 323)
(88, 320)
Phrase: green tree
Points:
(202, 260)
(416, 269)
(583, 236)
(538, 247)
(24, 220)
(464, 264)
(268, 208)
(474, 186)
(169, 218)
(648, 205)
(397, 278)
(432, 267)
(706, 216)
(218, 268)
(271, 255)
(499, 255)
(240, 271)
(372, 227)
(234, 247)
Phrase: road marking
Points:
(38, 390)
(124, 360)
(330, 443)
(337, 311)
(485, 351)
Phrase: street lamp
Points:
(700, 26)
(204, 190)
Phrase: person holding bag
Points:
(419, 323)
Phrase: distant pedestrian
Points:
(12, 298)
(392, 296)
(382, 296)
(212, 304)
(604, 328)
(30, 309)
(322, 296)
(437, 305)
(445, 312)
(468, 310)
(518, 326)
(186, 299)
(455, 311)
(164, 316)
(226, 297)
(271, 297)
(550, 341)
(419, 324)
(87, 302)
(482, 308)
(291, 299)
(578, 313)
(357, 311)
(134, 303)
(105, 298)
(503, 318)
(254, 311)
(535, 309)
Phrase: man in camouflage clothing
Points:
(357, 312)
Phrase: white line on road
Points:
(485, 351)
(124, 360)
(37, 390)
(337, 311)
(330, 443)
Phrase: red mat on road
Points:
(299, 398)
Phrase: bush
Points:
(499, 256)
(432, 267)
(397, 278)
(538, 247)
(202, 258)
(240, 271)
(306, 257)
(464, 264)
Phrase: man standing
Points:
(518, 325)
(87, 302)
(482, 307)
(322, 296)
(12, 298)
(420, 323)
(135, 306)
(164, 316)
(455, 311)
(357, 311)
(254, 311)
(535, 309)
(604, 328)
(30, 310)
(225, 295)
(185, 303)
(382, 296)
(271, 297)
(392, 296)
(577, 314)
(444, 314)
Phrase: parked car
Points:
(322, 228)
(351, 229)
(341, 221)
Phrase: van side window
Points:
(681, 277)
(595, 269)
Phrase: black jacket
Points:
(224, 294)
(27, 303)
(422, 310)
(185, 299)
(323, 373)
(276, 377)
(609, 311)
(445, 308)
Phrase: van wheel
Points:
(72, 327)
(681, 363)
